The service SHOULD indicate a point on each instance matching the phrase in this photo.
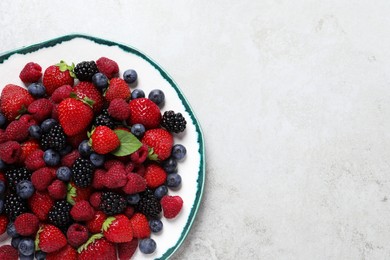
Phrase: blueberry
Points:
(138, 130)
(26, 246)
(161, 191)
(25, 189)
(15, 241)
(155, 225)
(85, 149)
(26, 257)
(66, 150)
(2, 187)
(2, 165)
(1, 206)
(40, 255)
(147, 245)
(11, 231)
(133, 199)
(51, 157)
(137, 93)
(130, 76)
(100, 81)
(47, 124)
(178, 151)
(170, 165)
(97, 159)
(3, 120)
(157, 96)
(173, 180)
(35, 131)
(64, 173)
(36, 90)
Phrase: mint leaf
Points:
(129, 143)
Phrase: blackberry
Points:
(173, 122)
(85, 70)
(104, 120)
(148, 204)
(82, 172)
(15, 175)
(14, 206)
(59, 215)
(55, 138)
(112, 203)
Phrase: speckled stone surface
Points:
(294, 101)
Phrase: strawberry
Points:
(171, 205)
(77, 235)
(57, 190)
(117, 88)
(117, 229)
(31, 72)
(4, 223)
(126, 250)
(108, 67)
(97, 248)
(155, 175)
(74, 116)
(61, 93)
(160, 140)
(135, 183)
(40, 204)
(104, 140)
(27, 148)
(119, 109)
(8, 252)
(144, 111)
(10, 152)
(115, 177)
(26, 224)
(140, 225)
(96, 223)
(88, 89)
(50, 239)
(40, 109)
(17, 131)
(14, 101)
(82, 211)
(65, 253)
(56, 76)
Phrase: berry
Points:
(7, 252)
(31, 72)
(112, 203)
(88, 90)
(26, 246)
(85, 149)
(35, 131)
(138, 130)
(111, 163)
(155, 176)
(34, 161)
(64, 151)
(104, 120)
(42, 178)
(99, 179)
(115, 177)
(10, 152)
(40, 255)
(76, 194)
(140, 225)
(51, 157)
(16, 175)
(40, 204)
(179, 151)
(82, 211)
(2, 187)
(11, 230)
(171, 206)
(130, 76)
(36, 90)
(25, 189)
(77, 235)
(3, 224)
(97, 247)
(157, 96)
(144, 111)
(15, 241)
(108, 67)
(135, 183)
(173, 180)
(48, 124)
(170, 165)
(96, 223)
(117, 229)
(69, 159)
(59, 215)
(133, 199)
(173, 122)
(160, 141)
(14, 206)
(119, 109)
(137, 93)
(65, 253)
(17, 131)
(147, 246)
(117, 88)
(104, 140)
(126, 250)
(14, 100)
(1, 206)
(82, 172)
(55, 138)
(28, 147)
(57, 190)
(56, 76)
(64, 173)
(50, 239)
(100, 81)
(26, 224)
(40, 109)
(97, 159)
(3, 120)
(148, 204)
(61, 93)
(85, 70)
(155, 225)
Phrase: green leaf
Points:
(72, 192)
(107, 223)
(90, 241)
(129, 143)
(151, 155)
(89, 102)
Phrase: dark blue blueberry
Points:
(26, 257)
(47, 124)
(51, 157)
(173, 180)
(26, 247)
(137, 93)
(66, 150)
(157, 96)
(147, 245)
(138, 130)
(1, 206)
(161, 191)
(11, 231)
(133, 199)
(36, 90)
(3, 120)
(155, 225)
(170, 165)
(100, 81)
(15, 241)
(25, 189)
(2, 187)
(2, 165)
(97, 159)
(40, 255)
(35, 131)
(85, 149)
(178, 151)
(64, 173)
(130, 76)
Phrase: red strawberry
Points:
(140, 225)
(57, 190)
(155, 175)
(88, 89)
(74, 116)
(104, 140)
(82, 211)
(17, 131)
(77, 235)
(34, 160)
(65, 253)
(26, 224)
(40, 109)
(117, 229)
(3, 224)
(50, 239)
(97, 248)
(160, 140)
(61, 93)
(8, 252)
(56, 76)
(69, 159)
(144, 111)
(96, 223)
(135, 183)
(119, 109)
(28, 147)
(40, 204)
(14, 100)
(108, 67)
(31, 72)
(115, 177)
(171, 205)
(95, 199)
(10, 152)
(42, 178)
(117, 88)
(126, 250)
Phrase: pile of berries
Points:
(86, 163)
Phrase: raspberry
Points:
(3, 137)
(75, 140)
(119, 109)
(8, 252)
(129, 167)
(35, 160)
(135, 183)
(61, 93)
(10, 152)
(99, 179)
(17, 131)
(69, 159)
(140, 155)
(171, 205)
(28, 119)
(57, 190)
(40, 109)
(127, 249)
(140, 225)
(3, 224)
(115, 177)
(54, 112)
(31, 72)
(95, 199)
(42, 178)
(129, 211)
(111, 163)
(27, 148)
(82, 211)
(40, 204)
(108, 67)
(26, 224)
(77, 235)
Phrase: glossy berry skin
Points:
(160, 191)
(170, 165)
(147, 246)
(155, 225)
(36, 90)
(47, 125)
(57, 76)
(85, 149)
(64, 173)
(130, 76)
(15, 241)
(157, 96)
(35, 131)
(51, 157)
(100, 81)
(144, 111)
(26, 257)
(3, 120)
(179, 151)
(40, 255)
(133, 199)
(25, 189)
(11, 230)
(12, 100)
(137, 93)
(104, 140)
(160, 140)
(138, 130)
(173, 180)
(97, 159)
(26, 246)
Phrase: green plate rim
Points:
(127, 48)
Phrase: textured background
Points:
(294, 101)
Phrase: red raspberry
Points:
(75, 140)
(17, 131)
(40, 204)
(35, 160)
(61, 93)
(31, 72)
(82, 211)
(10, 152)
(40, 109)
(119, 109)
(140, 155)
(155, 175)
(8, 252)
(108, 164)
(127, 249)
(108, 67)
(26, 224)
(42, 178)
(115, 177)
(3, 224)
(57, 190)
(95, 224)
(140, 225)
(135, 183)
(3, 137)
(117, 88)
(54, 112)
(69, 159)
(171, 205)
(129, 167)
(139, 169)
(95, 199)
(99, 179)
(65, 253)
(2, 177)
(77, 235)
(129, 212)
(28, 119)
(27, 148)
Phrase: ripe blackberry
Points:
(59, 215)
(112, 203)
(15, 175)
(104, 120)
(148, 204)
(85, 70)
(82, 172)
(173, 122)
(55, 138)
(14, 206)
